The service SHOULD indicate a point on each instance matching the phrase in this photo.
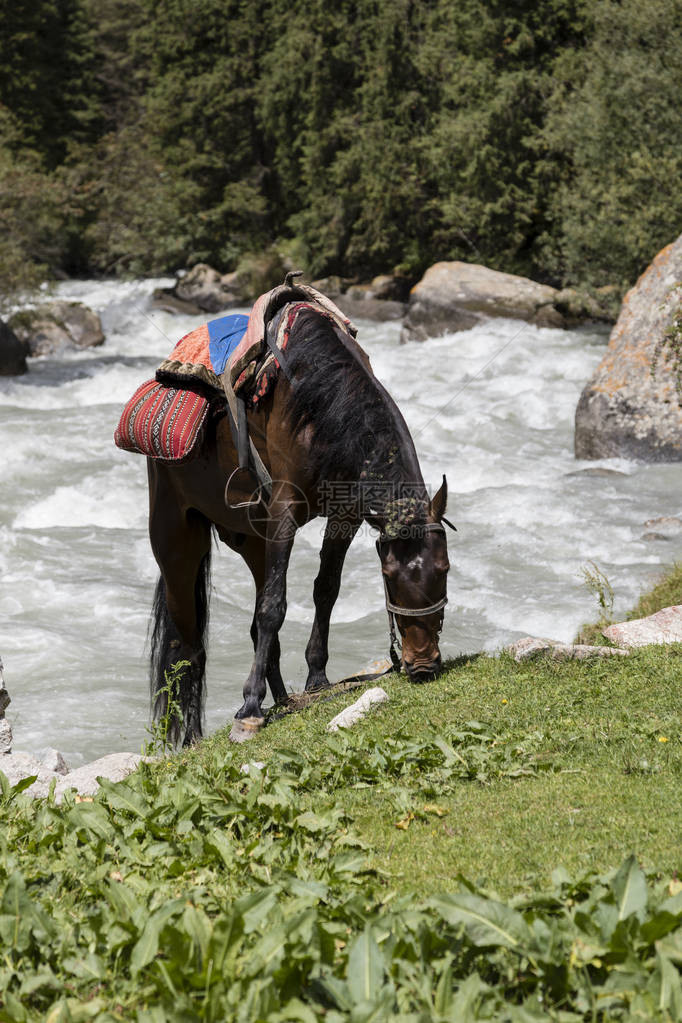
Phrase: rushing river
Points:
(491, 407)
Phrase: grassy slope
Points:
(607, 785)
(195, 892)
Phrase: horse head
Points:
(414, 565)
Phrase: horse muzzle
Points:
(423, 671)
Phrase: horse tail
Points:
(178, 693)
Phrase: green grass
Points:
(603, 781)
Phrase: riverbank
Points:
(332, 879)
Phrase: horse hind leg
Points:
(180, 620)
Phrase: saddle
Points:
(233, 359)
(252, 368)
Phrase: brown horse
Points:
(336, 445)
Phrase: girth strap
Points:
(245, 447)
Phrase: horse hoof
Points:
(244, 729)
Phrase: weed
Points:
(598, 584)
(159, 744)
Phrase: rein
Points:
(408, 612)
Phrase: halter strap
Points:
(412, 532)
(408, 612)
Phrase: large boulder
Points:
(13, 352)
(56, 325)
(204, 289)
(457, 296)
(626, 409)
(663, 627)
(382, 299)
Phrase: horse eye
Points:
(389, 566)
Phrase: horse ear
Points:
(440, 501)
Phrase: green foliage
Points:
(31, 215)
(196, 891)
(540, 139)
(47, 78)
(609, 152)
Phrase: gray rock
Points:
(4, 695)
(665, 525)
(5, 737)
(18, 765)
(52, 760)
(625, 410)
(55, 325)
(5, 729)
(578, 306)
(115, 767)
(381, 300)
(13, 352)
(663, 627)
(530, 647)
(357, 306)
(596, 470)
(210, 291)
(333, 287)
(456, 296)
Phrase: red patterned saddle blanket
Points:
(162, 422)
(165, 417)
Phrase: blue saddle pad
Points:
(224, 335)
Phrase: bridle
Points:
(409, 532)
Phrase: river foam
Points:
(491, 407)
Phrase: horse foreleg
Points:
(338, 536)
(268, 618)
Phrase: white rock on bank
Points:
(53, 760)
(115, 767)
(18, 765)
(530, 647)
(663, 627)
(5, 737)
(351, 715)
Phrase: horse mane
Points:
(358, 429)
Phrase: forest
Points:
(352, 138)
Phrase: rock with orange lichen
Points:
(626, 410)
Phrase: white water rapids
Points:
(491, 407)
